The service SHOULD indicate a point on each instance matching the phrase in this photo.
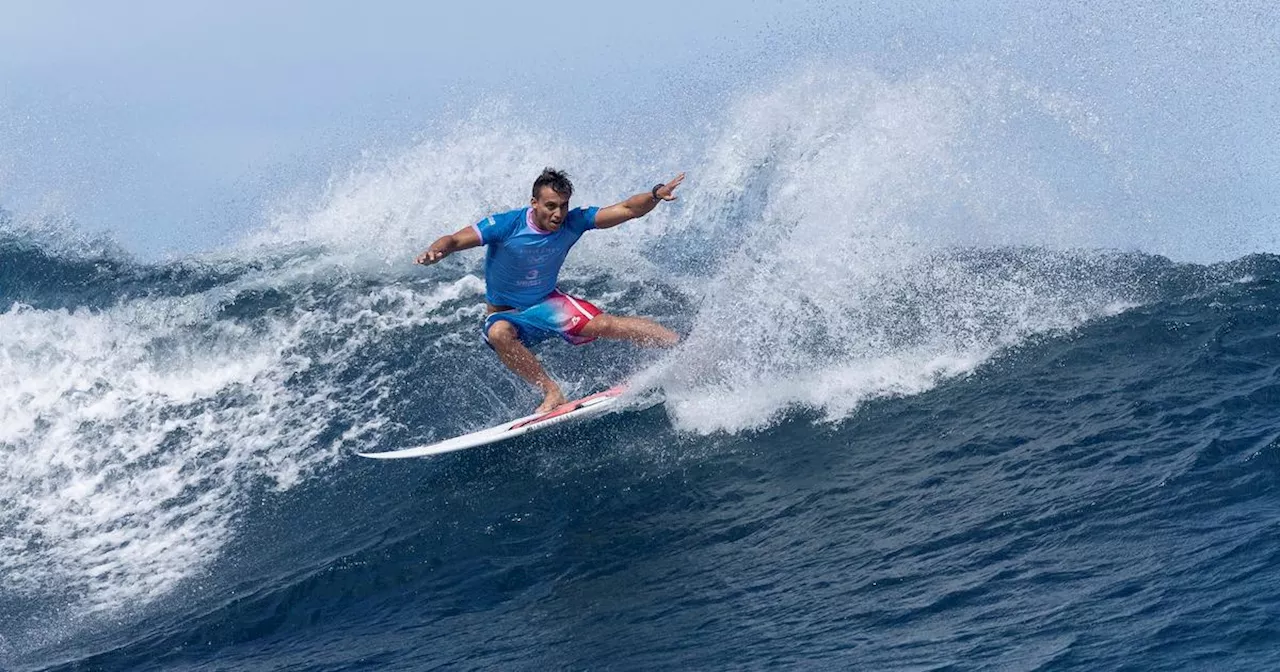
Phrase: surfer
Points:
(527, 246)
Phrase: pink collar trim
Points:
(528, 222)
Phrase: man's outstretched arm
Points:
(638, 205)
(446, 245)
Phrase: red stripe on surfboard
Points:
(569, 407)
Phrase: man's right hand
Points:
(438, 250)
(446, 245)
(431, 256)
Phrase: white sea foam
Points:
(128, 436)
(390, 206)
(839, 278)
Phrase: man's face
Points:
(549, 209)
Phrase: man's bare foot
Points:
(553, 399)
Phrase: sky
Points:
(160, 121)
(174, 126)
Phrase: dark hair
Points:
(556, 179)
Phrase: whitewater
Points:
(948, 397)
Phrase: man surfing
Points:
(527, 246)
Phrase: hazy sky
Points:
(171, 124)
(161, 120)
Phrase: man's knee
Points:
(502, 332)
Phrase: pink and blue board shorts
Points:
(557, 315)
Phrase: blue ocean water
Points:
(961, 421)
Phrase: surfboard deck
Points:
(578, 409)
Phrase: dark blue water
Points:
(1095, 492)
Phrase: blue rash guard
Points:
(522, 263)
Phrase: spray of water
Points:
(841, 236)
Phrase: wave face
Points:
(932, 408)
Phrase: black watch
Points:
(654, 192)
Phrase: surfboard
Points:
(578, 409)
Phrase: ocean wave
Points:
(847, 243)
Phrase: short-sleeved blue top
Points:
(522, 263)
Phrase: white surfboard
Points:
(577, 409)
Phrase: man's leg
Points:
(506, 342)
(635, 329)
